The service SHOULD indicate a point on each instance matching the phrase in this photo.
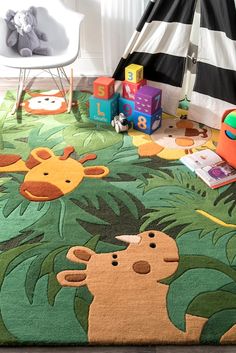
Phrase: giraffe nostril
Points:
(142, 267)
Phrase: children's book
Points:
(210, 167)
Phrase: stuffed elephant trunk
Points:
(22, 23)
(26, 28)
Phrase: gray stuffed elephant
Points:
(24, 34)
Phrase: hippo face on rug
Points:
(150, 257)
(48, 176)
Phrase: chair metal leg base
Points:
(20, 88)
(23, 76)
(70, 92)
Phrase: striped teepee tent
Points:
(161, 41)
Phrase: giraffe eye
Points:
(68, 181)
(45, 173)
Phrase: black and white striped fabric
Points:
(160, 44)
(215, 86)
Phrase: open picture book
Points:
(210, 167)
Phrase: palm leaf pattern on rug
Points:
(138, 194)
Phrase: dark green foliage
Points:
(138, 194)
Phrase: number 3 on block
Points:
(130, 76)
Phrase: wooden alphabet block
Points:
(129, 89)
(126, 107)
(148, 99)
(147, 123)
(103, 110)
(104, 87)
(134, 73)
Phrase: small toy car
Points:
(120, 123)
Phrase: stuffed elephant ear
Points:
(33, 11)
(9, 19)
(9, 15)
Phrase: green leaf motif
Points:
(81, 308)
(41, 137)
(91, 138)
(207, 304)
(47, 327)
(184, 289)
(182, 199)
(17, 215)
(217, 325)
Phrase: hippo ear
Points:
(96, 172)
(72, 278)
(80, 254)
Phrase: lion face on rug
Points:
(175, 138)
(127, 292)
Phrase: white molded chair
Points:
(62, 27)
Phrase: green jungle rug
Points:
(107, 238)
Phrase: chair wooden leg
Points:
(70, 92)
(19, 91)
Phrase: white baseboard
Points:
(82, 67)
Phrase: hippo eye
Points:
(151, 235)
(171, 126)
(45, 173)
(169, 135)
(152, 245)
(114, 263)
(68, 181)
(114, 256)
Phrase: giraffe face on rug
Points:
(150, 257)
(48, 176)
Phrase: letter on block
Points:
(104, 87)
(147, 123)
(134, 73)
(127, 108)
(148, 99)
(129, 88)
(103, 110)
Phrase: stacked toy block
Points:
(133, 81)
(103, 105)
(148, 112)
